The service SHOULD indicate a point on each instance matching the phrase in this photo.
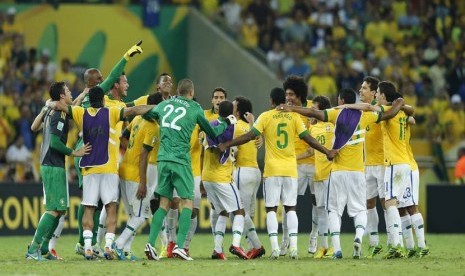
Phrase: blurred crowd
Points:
(418, 44)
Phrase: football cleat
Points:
(411, 253)
(98, 251)
(118, 253)
(52, 255)
(88, 253)
(312, 245)
(422, 252)
(357, 252)
(163, 252)
(256, 253)
(394, 252)
(169, 250)
(337, 255)
(218, 256)
(284, 247)
(320, 253)
(130, 256)
(275, 254)
(150, 252)
(329, 253)
(35, 256)
(107, 253)
(374, 250)
(238, 251)
(293, 253)
(79, 249)
(181, 254)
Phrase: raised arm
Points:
(56, 105)
(80, 97)
(238, 141)
(409, 110)
(396, 105)
(137, 110)
(305, 111)
(214, 131)
(330, 154)
(360, 106)
(37, 123)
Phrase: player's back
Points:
(247, 153)
(177, 119)
(280, 130)
(395, 139)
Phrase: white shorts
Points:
(411, 194)
(152, 177)
(99, 186)
(374, 176)
(224, 196)
(321, 192)
(278, 188)
(248, 181)
(305, 174)
(396, 180)
(133, 206)
(346, 188)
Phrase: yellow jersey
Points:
(141, 100)
(246, 153)
(210, 114)
(413, 162)
(302, 146)
(395, 139)
(350, 157)
(196, 152)
(213, 170)
(374, 149)
(115, 117)
(156, 145)
(280, 130)
(324, 134)
(142, 136)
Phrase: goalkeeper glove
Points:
(136, 49)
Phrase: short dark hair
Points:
(221, 89)
(389, 90)
(347, 95)
(96, 95)
(155, 98)
(122, 74)
(372, 82)
(298, 85)
(56, 89)
(185, 86)
(278, 96)
(225, 108)
(323, 102)
(161, 76)
(243, 106)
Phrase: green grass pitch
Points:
(447, 258)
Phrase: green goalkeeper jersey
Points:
(177, 118)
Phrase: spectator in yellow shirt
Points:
(322, 84)
(64, 73)
(453, 120)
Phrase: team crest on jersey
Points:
(62, 201)
(60, 126)
(154, 140)
(328, 128)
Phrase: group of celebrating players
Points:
(175, 151)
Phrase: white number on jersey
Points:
(170, 109)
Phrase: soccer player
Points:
(135, 190)
(247, 175)
(93, 77)
(280, 130)
(221, 190)
(324, 134)
(164, 85)
(52, 169)
(408, 207)
(177, 118)
(296, 94)
(347, 181)
(374, 167)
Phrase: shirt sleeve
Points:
(259, 125)
(114, 75)
(77, 113)
(331, 115)
(300, 126)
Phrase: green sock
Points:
(45, 223)
(96, 223)
(81, 230)
(46, 240)
(156, 225)
(184, 225)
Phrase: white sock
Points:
(284, 226)
(109, 239)
(163, 235)
(272, 227)
(191, 232)
(335, 229)
(393, 225)
(128, 245)
(237, 229)
(418, 224)
(171, 221)
(323, 227)
(372, 226)
(389, 241)
(314, 232)
(293, 227)
(220, 228)
(213, 219)
(252, 237)
(87, 234)
(102, 222)
(131, 227)
(360, 222)
(53, 241)
(407, 231)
